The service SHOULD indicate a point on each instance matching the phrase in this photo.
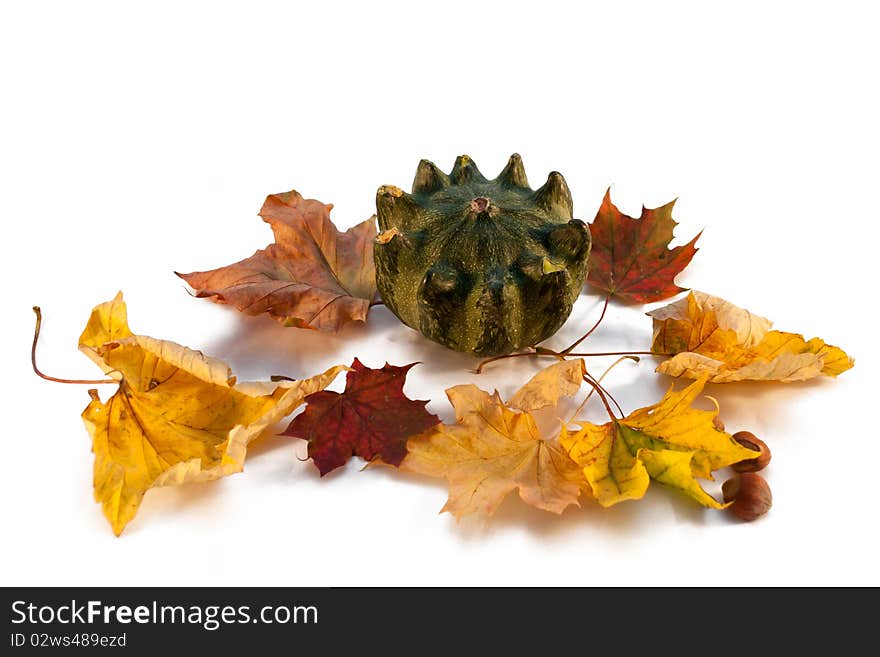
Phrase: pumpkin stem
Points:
(480, 205)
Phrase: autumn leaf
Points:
(492, 449)
(370, 418)
(313, 276)
(178, 416)
(561, 379)
(711, 336)
(630, 257)
(670, 442)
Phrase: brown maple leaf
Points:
(371, 418)
(313, 276)
(630, 257)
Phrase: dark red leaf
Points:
(630, 257)
(371, 418)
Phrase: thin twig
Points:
(55, 378)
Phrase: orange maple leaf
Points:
(710, 336)
(313, 276)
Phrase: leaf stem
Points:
(599, 380)
(569, 350)
(479, 369)
(55, 378)
(598, 388)
(543, 351)
(620, 353)
(570, 347)
(603, 389)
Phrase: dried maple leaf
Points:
(670, 442)
(630, 257)
(711, 336)
(492, 450)
(371, 418)
(547, 386)
(313, 276)
(178, 416)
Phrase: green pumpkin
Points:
(482, 266)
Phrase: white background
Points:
(141, 140)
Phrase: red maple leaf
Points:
(630, 257)
(371, 418)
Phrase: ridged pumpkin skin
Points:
(482, 266)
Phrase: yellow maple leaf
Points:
(547, 386)
(711, 336)
(670, 442)
(178, 417)
(492, 449)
